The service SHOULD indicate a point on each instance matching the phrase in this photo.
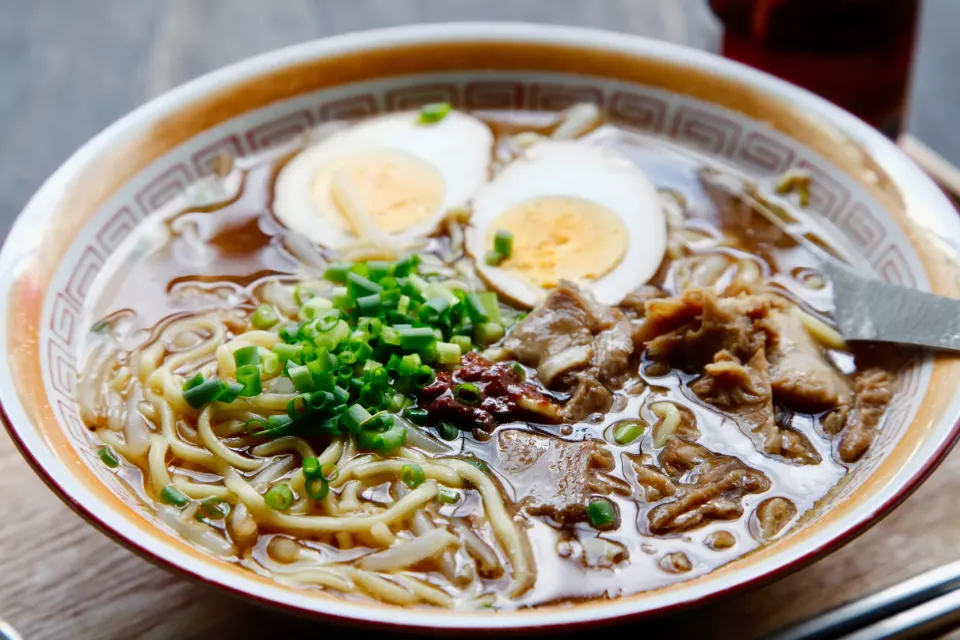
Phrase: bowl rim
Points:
(918, 190)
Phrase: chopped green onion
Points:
(264, 317)
(347, 358)
(337, 272)
(424, 376)
(448, 496)
(434, 112)
(519, 370)
(353, 418)
(359, 286)
(173, 496)
(448, 353)
(412, 475)
(371, 326)
(316, 487)
(467, 393)
(289, 352)
(314, 307)
(204, 393)
(195, 381)
(298, 406)
(301, 294)
(215, 508)
(378, 423)
(249, 376)
(390, 336)
(464, 342)
(328, 320)
(601, 513)
(493, 258)
(503, 242)
(270, 363)
(416, 338)
(382, 442)
(487, 333)
(108, 457)
(377, 269)
(405, 266)
(311, 467)
(447, 431)
(627, 431)
(302, 378)
(279, 497)
(230, 392)
(416, 416)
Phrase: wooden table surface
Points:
(69, 68)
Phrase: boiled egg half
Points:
(576, 212)
(386, 178)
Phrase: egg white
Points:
(458, 147)
(574, 170)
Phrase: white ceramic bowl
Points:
(892, 215)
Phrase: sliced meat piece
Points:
(554, 477)
(613, 348)
(773, 514)
(565, 319)
(634, 304)
(656, 485)
(689, 330)
(589, 396)
(801, 377)
(576, 345)
(859, 423)
(708, 487)
(744, 392)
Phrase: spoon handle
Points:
(868, 309)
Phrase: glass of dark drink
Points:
(855, 53)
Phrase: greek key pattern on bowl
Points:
(701, 126)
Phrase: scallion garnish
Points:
(467, 393)
(173, 496)
(601, 513)
(264, 317)
(434, 112)
(108, 457)
(503, 243)
(279, 497)
(627, 431)
(412, 475)
(215, 508)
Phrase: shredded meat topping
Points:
(555, 477)
(702, 487)
(858, 423)
(576, 345)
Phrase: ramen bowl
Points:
(889, 215)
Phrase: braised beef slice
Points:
(555, 477)
(703, 486)
(859, 422)
(576, 345)
(743, 390)
(634, 304)
(801, 377)
(689, 329)
(505, 397)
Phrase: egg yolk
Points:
(398, 190)
(560, 237)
